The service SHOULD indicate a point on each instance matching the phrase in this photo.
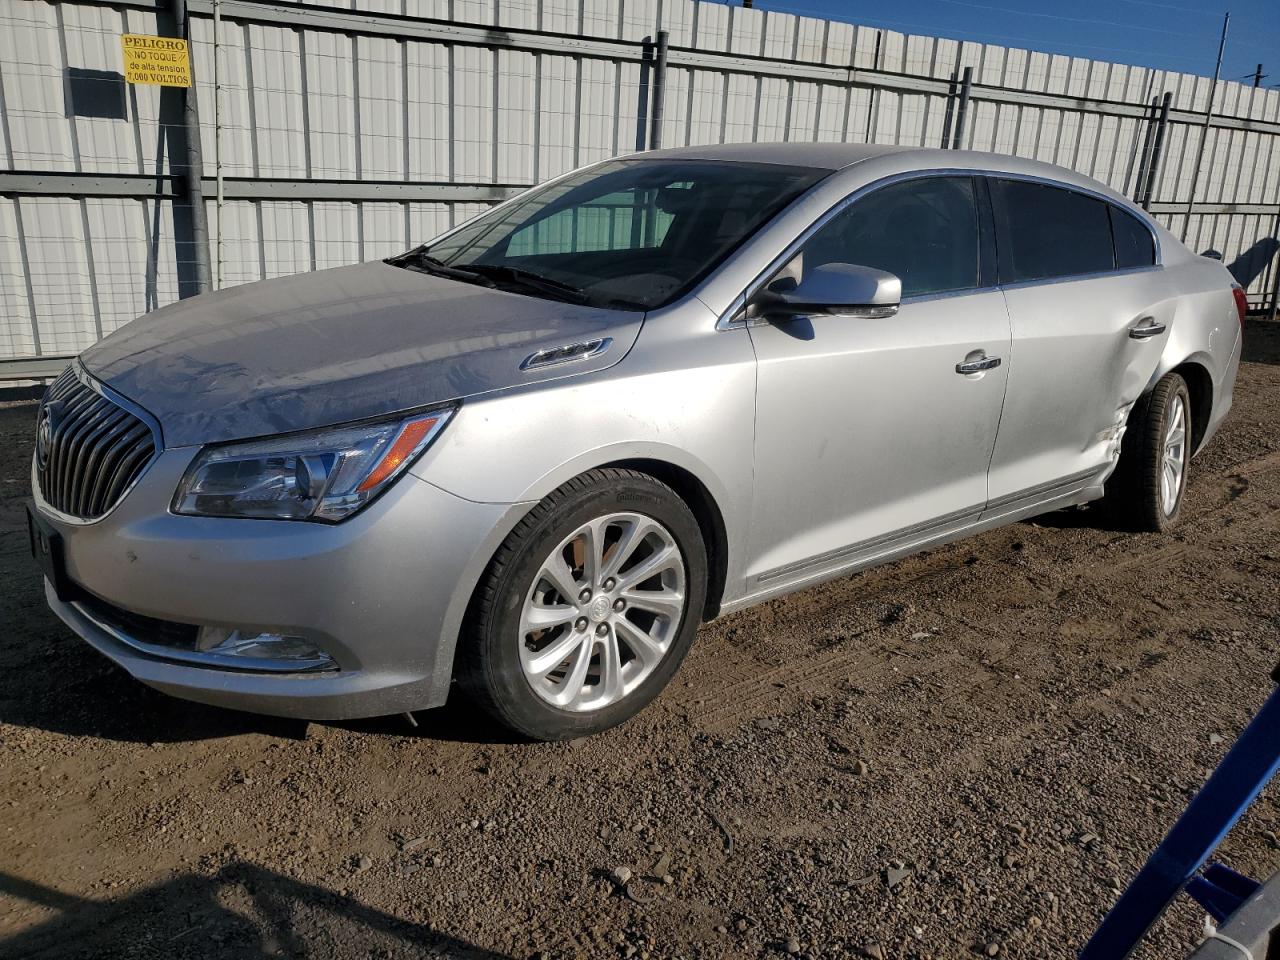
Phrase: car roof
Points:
(837, 156)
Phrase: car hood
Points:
(338, 345)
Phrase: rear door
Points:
(1090, 314)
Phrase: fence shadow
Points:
(1250, 265)
(242, 911)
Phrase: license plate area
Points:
(47, 550)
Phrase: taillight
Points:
(1242, 302)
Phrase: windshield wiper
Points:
(491, 275)
(419, 259)
(530, 280)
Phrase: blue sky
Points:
(1170, 34)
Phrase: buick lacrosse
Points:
(534, 454)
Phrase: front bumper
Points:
(383, 593)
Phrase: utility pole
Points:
(1258, 75)
(217, 144)
(194, 173)
(1204, 129)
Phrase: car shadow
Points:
(1091, 516)
(51, 680)
(95, 698)
(241, 911)
(458, 721)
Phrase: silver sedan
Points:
(534, 454)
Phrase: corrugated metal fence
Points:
(350, 133)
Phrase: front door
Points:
(868, 437)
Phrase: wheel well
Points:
(705, 510)
(1200, 387)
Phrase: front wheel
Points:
(588, 607)
(1146, 490)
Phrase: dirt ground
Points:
(961, 754)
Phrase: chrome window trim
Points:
(729, 319)
(1072, 278)
(157, 440)
(948, 294)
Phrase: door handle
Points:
(1146, 329)
(978, 365)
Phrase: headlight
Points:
(322, 475)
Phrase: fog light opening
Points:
(253, 645)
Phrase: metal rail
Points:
(360, 23)
(1175, 864)
(247, 188)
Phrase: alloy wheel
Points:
(1174, 465)
(602, 612)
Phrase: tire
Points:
(1137, 491)
(610, 669)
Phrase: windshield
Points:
(630, 234)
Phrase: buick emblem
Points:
(49, 415)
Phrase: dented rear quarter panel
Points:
(1206, 327)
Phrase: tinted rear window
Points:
(1134, 245)
(1050, 232)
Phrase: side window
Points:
(1050, 232)
(1134, 244)
(924, 231)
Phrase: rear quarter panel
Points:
(1206, 325)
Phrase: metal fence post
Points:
(642, 96)
(195, 161)
(1157, 151)
(962, 109)
(1275, 278)
(217, 143)
(949, 118)
(659, 91)
(1144, 159)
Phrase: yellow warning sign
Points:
(162, 60)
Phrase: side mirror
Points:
(833, 289)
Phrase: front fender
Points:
(689, 403)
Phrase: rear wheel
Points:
(1146, 490)
(588, 607)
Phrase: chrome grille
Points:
(89, 449)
